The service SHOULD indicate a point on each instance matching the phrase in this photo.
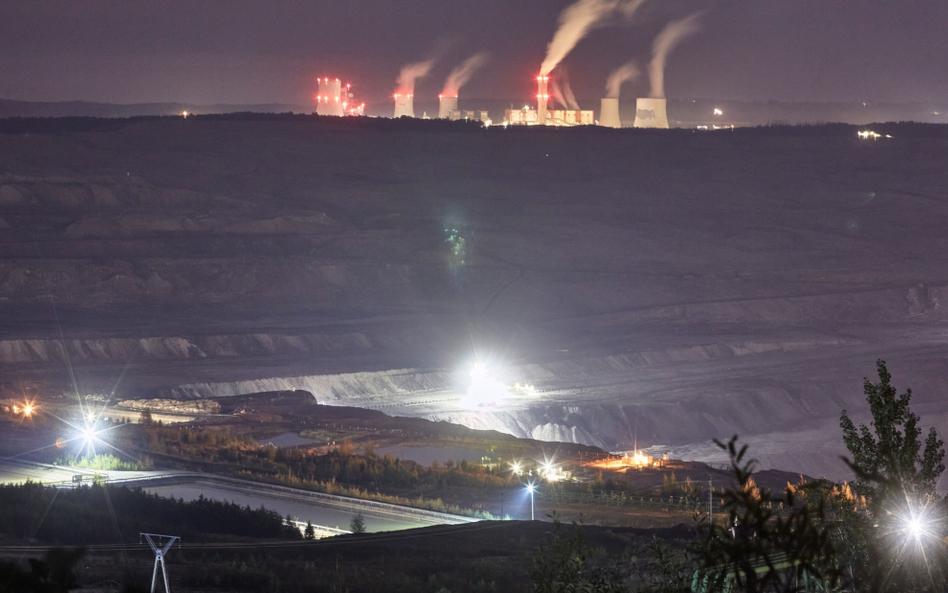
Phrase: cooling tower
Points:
(329, 101)
(542, 98)
(650, 113)
(609, 113)
(404, 105)
(446, 106)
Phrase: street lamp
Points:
(531, 489)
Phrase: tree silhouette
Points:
(894, 452)
(357, 525)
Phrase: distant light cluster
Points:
(870, 135)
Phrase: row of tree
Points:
(341, 465)
(104, 514)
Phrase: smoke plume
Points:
(664, 43)
(556, 94)
(577, 20)
(409, 73)
(463, 73)
(568, 97)
(625, 72)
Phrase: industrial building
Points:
(609, 113)
(332, 99)
(404, 105)
(650, 113)
(448, 109)
(545, 116)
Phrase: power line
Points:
(160, 550)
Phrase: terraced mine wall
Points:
(659, 287)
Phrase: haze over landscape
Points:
(673, 286)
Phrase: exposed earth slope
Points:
(668, 286)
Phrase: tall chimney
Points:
(446, 106)
(404, 105)
(330, 101)
(650, 113)
(609, 113)
(542, 97)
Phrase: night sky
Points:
(254, 51)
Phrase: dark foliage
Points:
(54, 573)
(81, 516)
(357, 525)
(906, 548)
(894, 451)
(567, 563)
(759, 549)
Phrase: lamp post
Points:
(530, 489)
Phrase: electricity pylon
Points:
(160, 550)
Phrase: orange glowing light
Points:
(636, 460)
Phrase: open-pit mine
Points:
(607, 287)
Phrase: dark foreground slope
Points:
(675, 285)
(478, 557)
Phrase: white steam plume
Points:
(463, 73)
(664, 43)
(577, 20)
(624, 73)
(568, 96)
(556, 94)
(409, 73)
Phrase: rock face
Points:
(663, 288)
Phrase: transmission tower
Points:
(160, 549)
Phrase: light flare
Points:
(483, 390)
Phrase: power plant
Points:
(333, 100)
(609, 113)
(542, 97)
(543, 116)
(575, 22)
(650, 113)
(446, 105)
(404, 105)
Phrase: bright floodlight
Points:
(515, 466)
(88, 433)
(915, 527)
(483, 390)
(530, 489)
(918, 526)
(28, 410)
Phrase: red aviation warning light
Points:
(334, 99)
